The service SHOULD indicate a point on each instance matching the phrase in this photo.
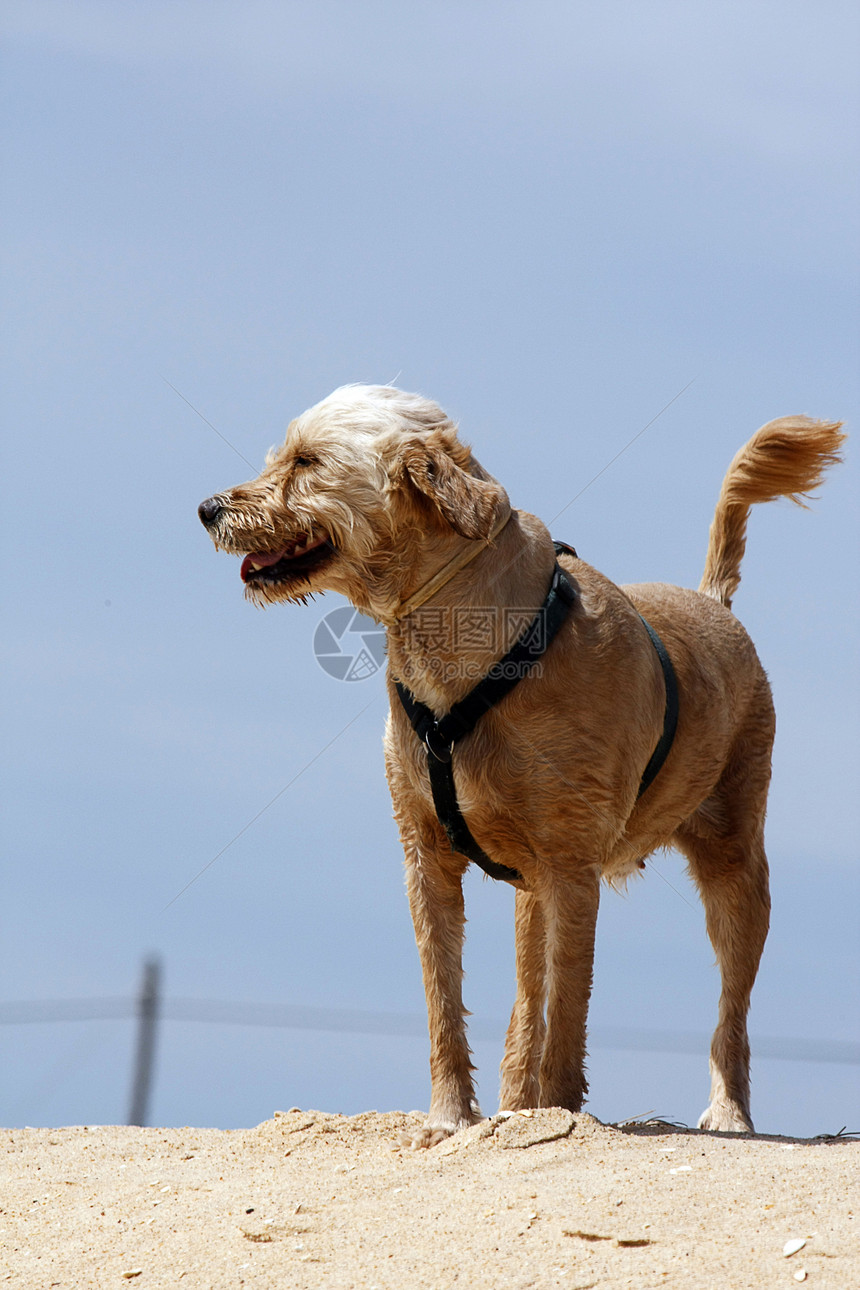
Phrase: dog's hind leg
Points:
(569, 902)
(435, 892)
(730, 870)
(520, 1071)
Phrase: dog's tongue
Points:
(259, 560)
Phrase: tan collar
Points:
(445, 574)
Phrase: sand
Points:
(541, 1198)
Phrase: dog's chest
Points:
(499, 804)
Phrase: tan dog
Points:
(373, 495)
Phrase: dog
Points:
(374, 495)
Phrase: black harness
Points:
(440, 735)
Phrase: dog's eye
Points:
(304, 461)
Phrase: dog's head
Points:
(367, 496)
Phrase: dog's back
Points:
(726, 710)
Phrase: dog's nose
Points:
(209, 510)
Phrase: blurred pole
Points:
(147, 1018)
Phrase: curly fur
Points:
(371, 494)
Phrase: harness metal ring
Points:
(436, 745)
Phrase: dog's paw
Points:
(725, 1117)
(438, 1129)
(424, 1138)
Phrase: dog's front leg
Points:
(569, 902)
(520, 1085)
(436, 901)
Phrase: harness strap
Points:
(670, 715)
(440, 735)
(451, 818)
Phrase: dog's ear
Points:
(468, 503)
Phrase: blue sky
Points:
(550, 218)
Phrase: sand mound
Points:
(538, 1199)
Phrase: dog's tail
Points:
(785, 458)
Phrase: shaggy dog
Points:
(373, 495)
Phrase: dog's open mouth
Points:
(299, 557)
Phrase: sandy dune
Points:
(314, 1200)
